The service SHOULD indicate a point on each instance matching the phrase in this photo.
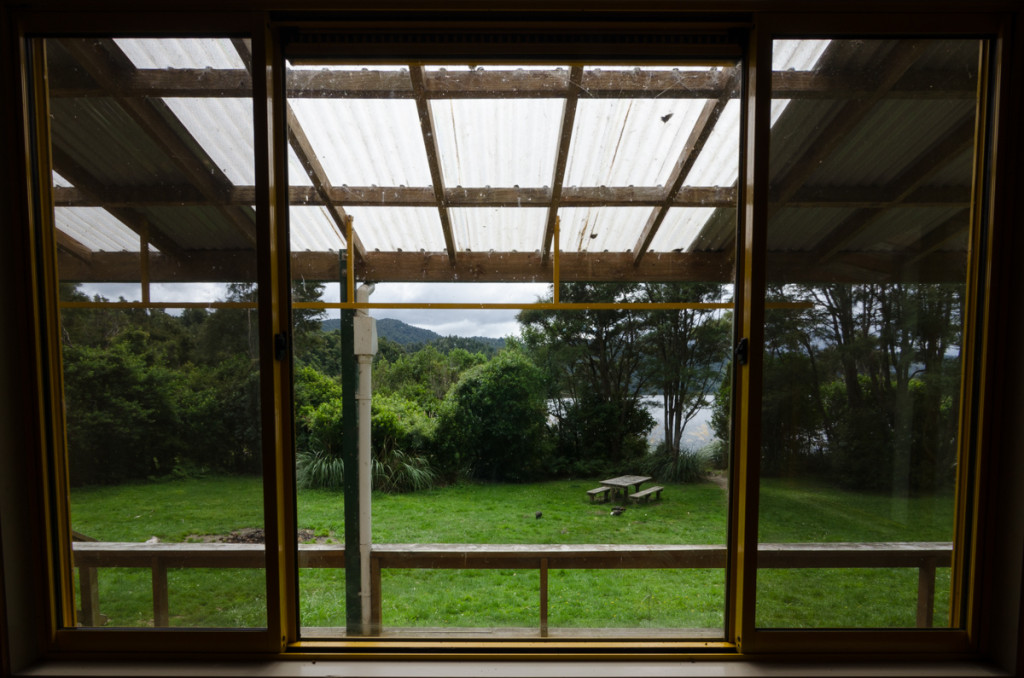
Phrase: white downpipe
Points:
(365, 345)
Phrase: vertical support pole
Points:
(555, 273)
(543, 597)
(364, 342)
(144, 261)
(925, 594)
(365, 471)
(89, 590)
(350, 459)
(161, 606)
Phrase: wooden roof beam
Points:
(899, 60)
(321, 184)
(232, 266)
(561, 159)
(373, 84)
(427, 128)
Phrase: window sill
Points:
(308, 668)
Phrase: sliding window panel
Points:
(543, 416)
(869, 219)
(154, 226)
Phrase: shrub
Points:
(688, 466)
(493, 422)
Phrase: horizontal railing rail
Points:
(159, 557)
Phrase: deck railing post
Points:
(925, 594)
(543, 597)
(161, 611)
(89, 590)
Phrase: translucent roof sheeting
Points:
(223, 127)
(629, 142)
(440, 166)
(181, 53)
(365, 142)
(398, 229)
(498, 229)
(97, 229)
(601, 229)
(496, 142)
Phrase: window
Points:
(808, 251)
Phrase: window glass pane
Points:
(503, 424)
(870, 185)
(156, 240)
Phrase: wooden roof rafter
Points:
(692, 150)
(561, 159)
(300, 144)
(129, 216)
(926, 166)
(106, 64)
(850, 114)
(428, 129)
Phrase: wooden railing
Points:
(90, 556)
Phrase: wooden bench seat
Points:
(646, 494)
(599, 491)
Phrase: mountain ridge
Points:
(410, 335)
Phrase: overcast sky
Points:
(464, 323)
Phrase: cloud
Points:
(465, 323)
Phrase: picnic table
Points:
(623, 483)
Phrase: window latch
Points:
(741, 351)
(280, 346)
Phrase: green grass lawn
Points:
(688, 514)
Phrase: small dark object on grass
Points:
(618, 510)
(538, 514)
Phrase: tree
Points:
(594, 366)
(687, 350)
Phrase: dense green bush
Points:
(402, 437)
(492, 424)
(121, 414)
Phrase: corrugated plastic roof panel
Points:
(391, 229)
(898, 228)
(718, 162)
(795, 230)
(224, 128)
(601, 229)
(97, 134)
(366, 142)
(97, 229)
(498, 229)
(180, 52)
(311, 229)
(895, 133)
(200, 227)
(680, 227)
(497, 142)
(797, 55)
(629, 142)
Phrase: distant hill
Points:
(404, 333)
(412, 337)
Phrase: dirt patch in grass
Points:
(254, 535)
